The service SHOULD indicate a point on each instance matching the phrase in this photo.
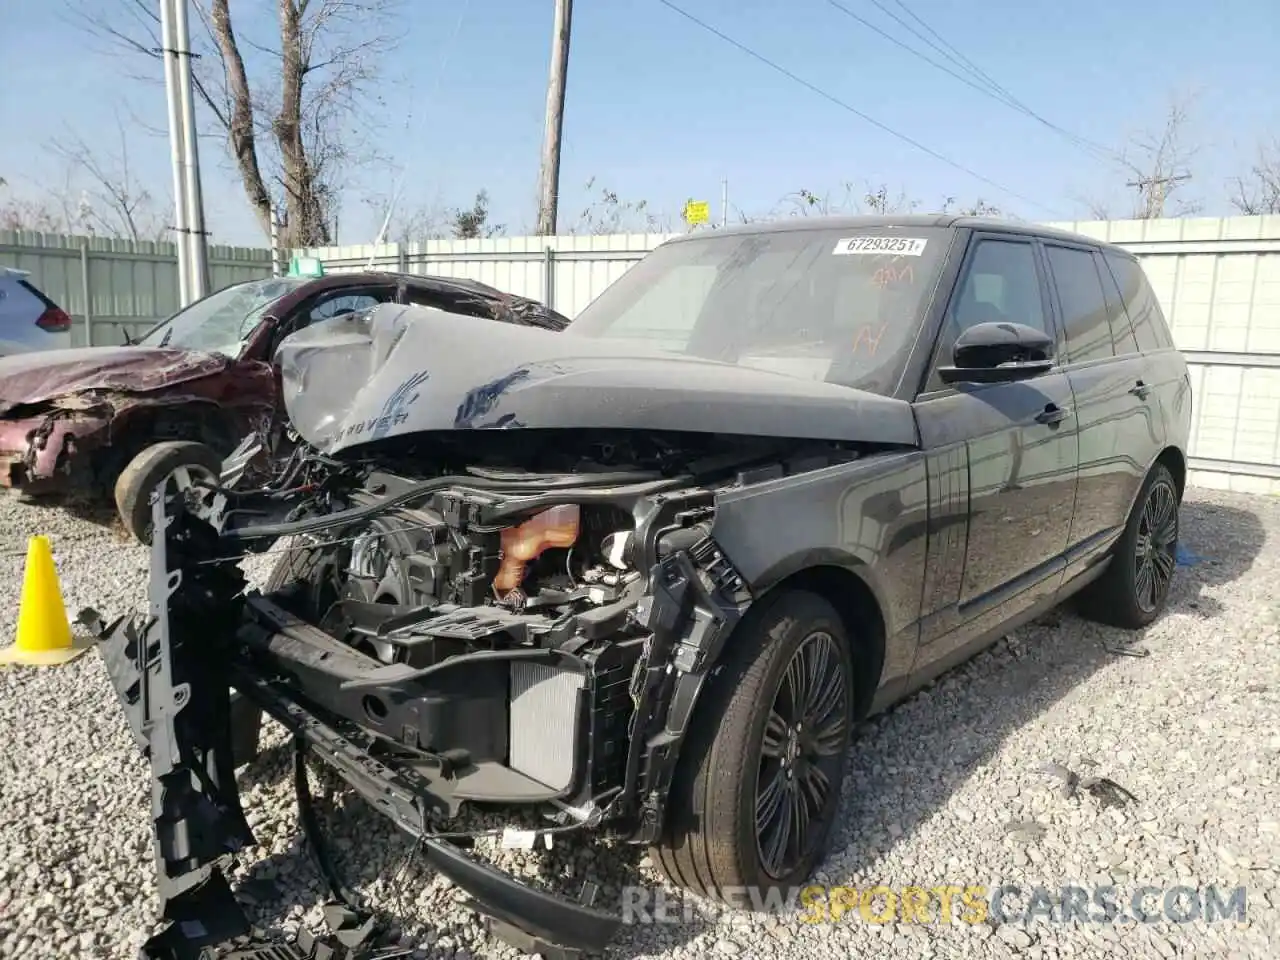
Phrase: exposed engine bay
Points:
(486, 620)
(528, 624)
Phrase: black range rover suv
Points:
(646, 573)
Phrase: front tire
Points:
(1135, 587)
(179, 465)
(758, 783)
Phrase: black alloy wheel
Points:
(1155, 548)
(800, 757)
(1134, 586)
(757, 786)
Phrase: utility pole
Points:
(196, 236)
(169, 45)
(724, 202)
(549, 182)
(1154, 190)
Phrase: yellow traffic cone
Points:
(44, 633)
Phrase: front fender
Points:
(868, 516)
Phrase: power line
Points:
(994, 89)
(851, 109)
(982, 88)
(946, 49)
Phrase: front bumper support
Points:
(173, 671)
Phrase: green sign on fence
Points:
(306, 267)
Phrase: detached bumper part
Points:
(173, 672)
(189, 935)
(516, 913)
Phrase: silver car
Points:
(29, 320)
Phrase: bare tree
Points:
(25, 214)
(409, 224)
(1259, 191)
(51, 212)
(114, 203)
(849, 199)
(1157, 164)
(292, 111)
(98, 194)
(807, 203)
(608, 213)
(979, 208)
(878, 200)
(431, 222)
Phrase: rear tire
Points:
(177, 462)
(1135, 587)
(744, 760)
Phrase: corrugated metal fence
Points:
(1217, 279)
(110, 286)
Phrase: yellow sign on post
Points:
(696, 212)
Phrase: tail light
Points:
(54, 320)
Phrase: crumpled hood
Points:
(399, 370)
(40, 376)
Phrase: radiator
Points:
(544, 709)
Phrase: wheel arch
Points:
(196, 419)
(1176, 461)
(199, 420)
(846, 587)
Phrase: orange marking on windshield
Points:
(872, 342)
(891, 274)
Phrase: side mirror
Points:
(999, 353)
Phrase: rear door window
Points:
(1084, 305)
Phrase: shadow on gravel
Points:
(903, 769)
(1217, 545)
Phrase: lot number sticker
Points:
(900, 246)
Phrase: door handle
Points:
(1140, 390)
(1052, 413)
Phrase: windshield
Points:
(842, 306)
(222, 321)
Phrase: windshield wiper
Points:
(164, 341)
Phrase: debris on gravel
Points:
(1057, 764)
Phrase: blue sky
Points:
(658, 109)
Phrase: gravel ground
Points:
(956, 786)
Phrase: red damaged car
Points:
(88, 422)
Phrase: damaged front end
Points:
(48, 449)
(500, 581)
(535, 641)
(70, 419)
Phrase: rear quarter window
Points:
(1149, 325)
(1121, 324)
